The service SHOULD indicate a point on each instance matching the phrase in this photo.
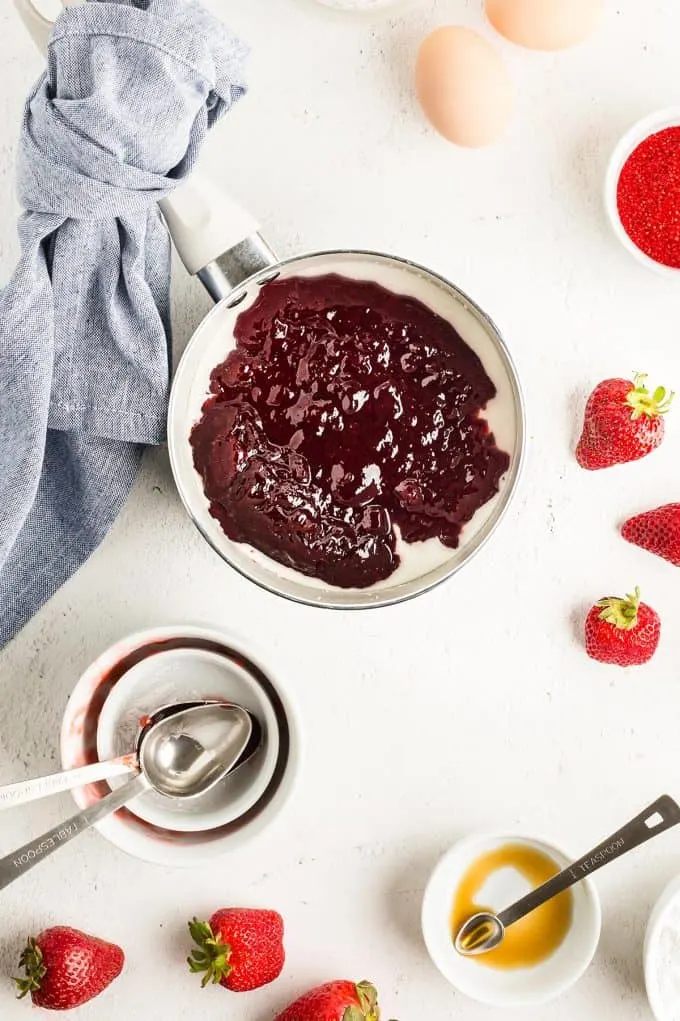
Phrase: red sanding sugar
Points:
(648, 196)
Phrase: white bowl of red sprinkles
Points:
(642, 191)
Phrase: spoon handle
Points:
(43, 786)
(16, 864)
(659, 816)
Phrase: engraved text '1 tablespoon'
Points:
(181, 755)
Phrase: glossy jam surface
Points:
(536, 936)
(344, 410)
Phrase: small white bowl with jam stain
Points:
(173, 664)
(543, 954)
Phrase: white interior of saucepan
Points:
(423, 564)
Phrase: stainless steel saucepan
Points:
(221, 244)
(233, 272)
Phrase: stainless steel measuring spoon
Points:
(181, 755)
(25, 791)
(485, 931)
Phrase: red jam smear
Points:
(344, 410)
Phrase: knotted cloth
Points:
(131, 89)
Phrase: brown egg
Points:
(544, 24)
(463, 86)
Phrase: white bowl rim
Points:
(668, 897)
(502, 836)
(652, 123)
(110, 713)
(145, 846)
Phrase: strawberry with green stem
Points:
(238, 948)
(622, 630)
(65, 968)
(335, 1001)
(623, 422)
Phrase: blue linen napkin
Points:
(131, 89)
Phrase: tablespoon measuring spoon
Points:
(484, 931)
(25, 791)
(182, 755)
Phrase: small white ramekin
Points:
(186, 675)
(520, 987)
(669, 899)
(650, 125)
(164, 845)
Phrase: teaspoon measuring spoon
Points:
(485, 931)
(183, 754)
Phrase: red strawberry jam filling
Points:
(345, 410)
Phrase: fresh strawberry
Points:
(622, 631)
(657, 531)
(622, 422)
(335, 1001)
(239, 948)
(65, 968)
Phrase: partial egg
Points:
(544, 24)
(463, 86)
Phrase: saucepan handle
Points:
(39, 27)
(216, 239)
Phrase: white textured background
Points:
(330, 150)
